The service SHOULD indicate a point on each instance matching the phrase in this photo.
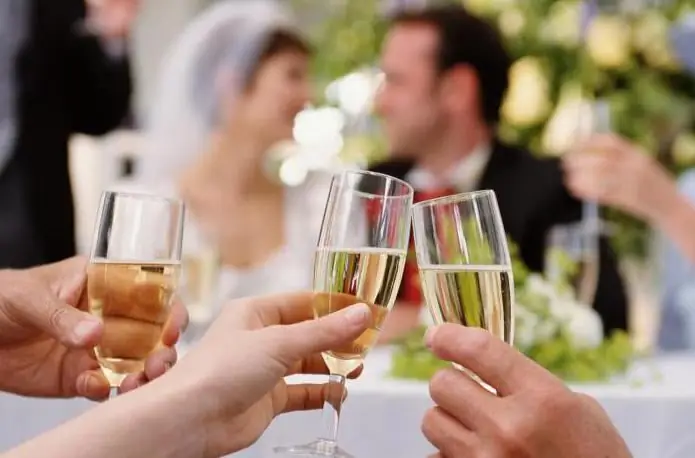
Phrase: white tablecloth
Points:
(382, 417)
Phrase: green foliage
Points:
(347, 37)
(412, 360)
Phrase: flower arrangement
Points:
(552, 328)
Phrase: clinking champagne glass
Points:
(132, 276)
(464, 263)
(359, 258)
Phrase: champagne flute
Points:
(464, 263)
(577, 243)
(200, 275)
(359, 258)
(132, 276)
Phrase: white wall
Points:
(159, 23)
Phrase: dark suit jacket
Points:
(532, 199)
(66, 84)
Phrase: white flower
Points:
(581, 322)
(527, 102)
(608, 41)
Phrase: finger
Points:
(132, 382)
(176, 324)
(334, 331)
(315, 364)
(462, 397)
(160, 362)
(498, 364)
(285, 308)
(41, 307)
(305, 396)
(447, 435)
(127, 338)
(93, 385)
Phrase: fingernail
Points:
(358, 314)
(85, 328)
(91, 384)
(429, 336)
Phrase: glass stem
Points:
(331, 410)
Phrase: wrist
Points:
(666, 208)
(171, 422)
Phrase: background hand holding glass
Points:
(464, 262)
(359, 258)
(132, 277)
(572, 255)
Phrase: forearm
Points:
(676, 219)
(156, 421)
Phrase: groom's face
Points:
(409, 100)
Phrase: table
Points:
(382, 417)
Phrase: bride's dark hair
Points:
(248, 59)
(279, 42)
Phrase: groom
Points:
(445, 80)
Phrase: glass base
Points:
(319, 448)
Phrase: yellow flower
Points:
(511, 22)
(572, 120)
(608, 41)
(527, 102)
(563, 24)
(683, 150)
(650, 35)
(487, 7)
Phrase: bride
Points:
(232, 86)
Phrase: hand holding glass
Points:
(360, 257)
(132, 277)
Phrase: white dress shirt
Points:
(464, 176)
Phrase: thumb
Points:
(331, 331)
(70, 326)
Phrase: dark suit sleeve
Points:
(98, 85)
(611, 300)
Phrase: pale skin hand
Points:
(112, 19)
(223, 395)
(47, 338)
(534, 415)
(614, 172)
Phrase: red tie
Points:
(411, 292)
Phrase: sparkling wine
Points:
(585, 278)
(346, 277)
(134, 300)
(477, 296)
(199, 281)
